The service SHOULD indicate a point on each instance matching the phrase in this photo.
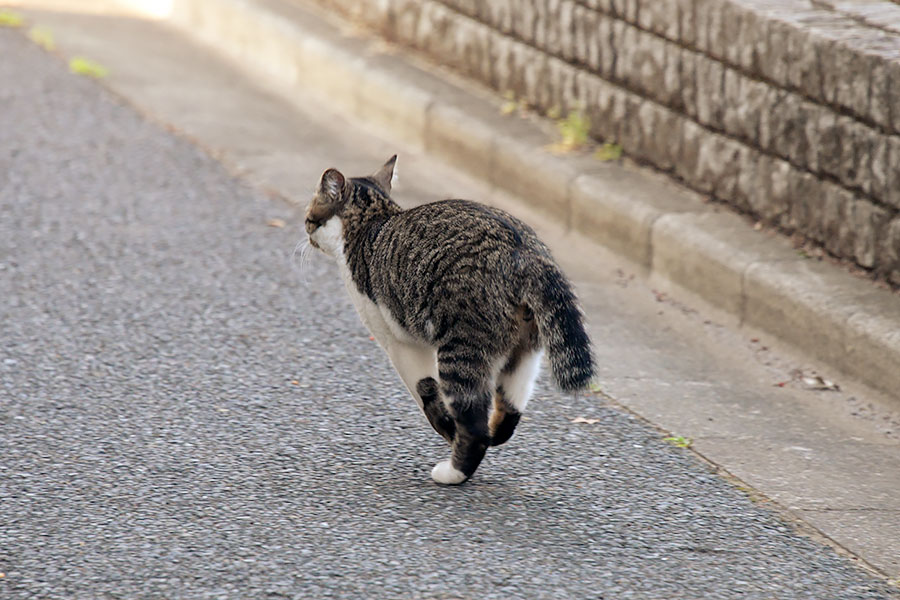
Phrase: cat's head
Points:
(337, 196)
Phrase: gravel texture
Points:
(181, 416)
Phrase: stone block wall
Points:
(789, 111)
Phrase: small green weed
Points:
(88, 68)
(510, 105)
(574, 129)
(9, 18)
(679, 440)
(43, 37)
(608, 151)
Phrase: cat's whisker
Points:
(302, 265)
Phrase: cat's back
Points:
(464, 225)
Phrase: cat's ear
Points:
(386, 176)
(331, 186)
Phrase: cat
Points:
(463, 298)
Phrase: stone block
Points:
(605, 108)
(428, 27)
(687, 23)
(892, 92)
(731, 157)
(554, 29)
(793, 132)
(544, 17)
(566, 26)
(632, 7)
(710, 78)
(660, 16)
(632, 130)
(859, 93)
(659, 138)
(627, 47)
(504, 74)
(471, 8)
(624, 9)
(615, 43)
(867, 222)
(857, 166)
(688, 76)
(606, 50)
(747, 181)
(671, 92)
(889, 251)
(747, 48)
(404, 24)
(582, 88)
(845, 73)
(718, 165)
(648, 66)
(892, 195)
(536, 71)
(804, 203)
(767, 188)
(810, 38)
(804, 72)
(725, 35)
(879, 167)
(561, 87)
(744, 104)
(689, 152)
(525, 21)
(515, 67)
(833, 133)
(835, 225)
(498, 14)
(846, 149)
(776, 58)
(881, 103)
(472, 48)
(705, 14)
(584, 37)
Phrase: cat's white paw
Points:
(444, 473)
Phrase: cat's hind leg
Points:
(515, 385)
(466, 382)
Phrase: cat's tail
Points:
(560, 324)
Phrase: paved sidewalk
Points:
(673, 364)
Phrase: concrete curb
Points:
(669, 231)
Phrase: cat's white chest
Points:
(379, 321)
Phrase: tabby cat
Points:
(463, 298)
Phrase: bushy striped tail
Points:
(561, 330)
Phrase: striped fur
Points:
(467, 285)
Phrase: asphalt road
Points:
(182, 416)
